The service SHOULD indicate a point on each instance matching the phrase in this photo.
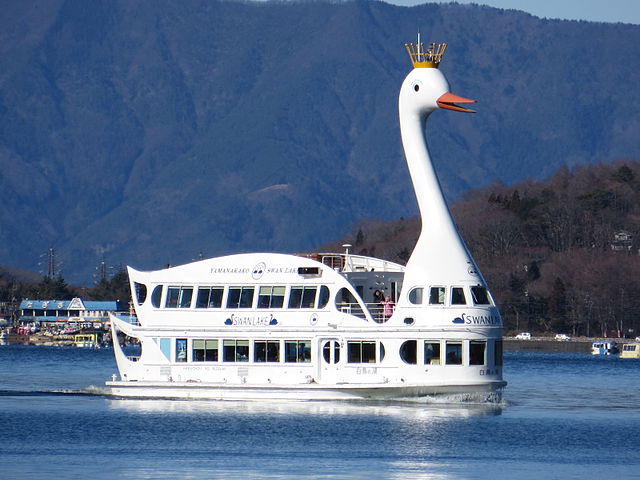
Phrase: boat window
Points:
(302, 297)
(240, 297)
(457, 296)
(477, 349)
(235, 350)
(209, 297)
(382, 352)
(432, 352)
(361, 352)
(454, 353)
(436, 296)
(205, 350)
(297, 351)
(140, 290)
(156, 296)
(415, 296)
(323, 298)
(271, 297)
(409, 352)
(266, 351)
(326, 351)
(497, 353)
(179, 297)
(480, 295)
(181, 349)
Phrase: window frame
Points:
(416, 296)
(205, 349)
(271, 296)
(441, 293)
(257, 351)
(180, 298)
(455, 300)
(459, 360)
(302, 351)
(472, 354)
(210, 289)
(366, 350)
(230, 345)
(242, 297)
(300, 301)
(436, 358)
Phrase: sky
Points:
(625, 11)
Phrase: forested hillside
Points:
(561, 255)
(145, 132)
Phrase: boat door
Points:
(330, 355)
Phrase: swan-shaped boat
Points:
(325, 326)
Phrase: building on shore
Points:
(63, 314)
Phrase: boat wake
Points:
(83, 392)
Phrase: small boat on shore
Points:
(326, 326)
(604, 348)
(87, 340)
(630, 350)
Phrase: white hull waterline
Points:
(332, 326)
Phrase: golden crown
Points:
(429, 57)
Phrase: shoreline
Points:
(550, 345)
(536, 344)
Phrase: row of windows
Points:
(268, 296)
(457, 296)
(433, 352)
(234, 350)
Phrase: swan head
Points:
(425, 90)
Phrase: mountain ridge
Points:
(145, 133)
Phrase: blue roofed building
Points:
(55, 314)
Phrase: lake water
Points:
(564, 416)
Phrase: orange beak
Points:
(449, 100)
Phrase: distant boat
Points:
(87, 340)
(604, 348)
(630, 350)
(328, 325)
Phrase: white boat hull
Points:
(208, 391)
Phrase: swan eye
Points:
(416, 87)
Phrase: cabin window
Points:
(454, 353)
(436, 296)
(323, 298)
(181, 349)
(297, 351)
(209, 297)
(156, 295)
(266, 351)
(302, 297)
(326, 351)
(179, 297)
(480, 295)
(415, 296)
(235, 350)
(432, 352)
(240, 297)
(140, 290)
(205, 350)
(497, 353)
(409, 352)
(457, 296)
(382, 352)
(477, 350)
(361, 352)
(271, 297)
